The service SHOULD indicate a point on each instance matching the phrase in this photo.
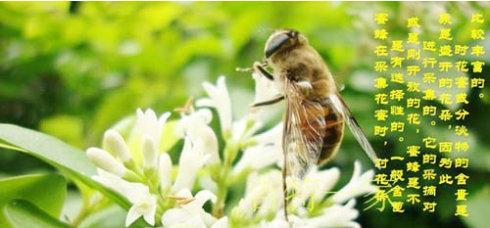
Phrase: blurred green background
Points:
(73, 70)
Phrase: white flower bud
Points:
(164, 171)
(149, 153)
(115, 144)
(104, 160)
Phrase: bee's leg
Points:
(259, 67)
(269, 102)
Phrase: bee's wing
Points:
(354, 127)
(304, 131)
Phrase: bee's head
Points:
(282, 40)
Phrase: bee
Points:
(315, 111)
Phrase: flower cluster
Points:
(160, 191)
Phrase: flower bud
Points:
(105, 161)
(115, 144)
(149, 153)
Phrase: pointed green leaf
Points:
(21, 213)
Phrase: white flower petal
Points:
(165, 171)
(221, 223)
(358, 185)
(115, 144)
(104, 160)
(149, 153)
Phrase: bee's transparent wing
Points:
(354, 127)
(304, 131)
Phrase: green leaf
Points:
(71, 161)
(21, 213)
(46, 191)
(108, 217)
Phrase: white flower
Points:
(220, 100)
(150, 152)
(115, 144)
(189, 164)
(335, 216)
(267, 151)
(195, 126)
(315, 185)
(358, 185)
(165, 171)
(190, 214)
(104, 160)
(143, 202)
(147, 127)
(263, 195)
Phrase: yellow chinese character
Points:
(412, 70)
(397, 191)
(429, 190)
(461, 194)
(462, 210)
(413, 87)
(445, 82)
(477, 34)
(477, 83)
(397, 45)
(428, 78)
(429, 62)
(413, 103)
(429, 159)
(381, 98)
(397, 94)
(460, 49)
(477, 50)
(396, 61)
(445, 147)
(380, 130)
(461, 82)
(461, 146)
(462, 66)
(413, 118)
(445, 179)
(429, 94)
(381, 114)
(429, 110)
(413, 198)
(397, 126)
(445, 115)
(429, 174)
(445, 66)
(446, 163)
(380, 83)
(461, 162)
(413, 182)
(445, 34)
(396, 110)
(413, 38)
(398, 78)
(413, 166)
(461, 98)
(380, 66)
(381, 163)
(397, 207)
(430, 207)
(446, 98)
(413, 151)
(461, 114)
(413, 22)
(380, 34)
(477, 66)
(396, 175)
(429, 46)
(445, 50)
(430, 142)
(381, 179)
(461, 179)
(445, 19)
(413, 54)
(381, 18)
(381, 50)
(477, 18)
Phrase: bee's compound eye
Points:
(293, 33)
